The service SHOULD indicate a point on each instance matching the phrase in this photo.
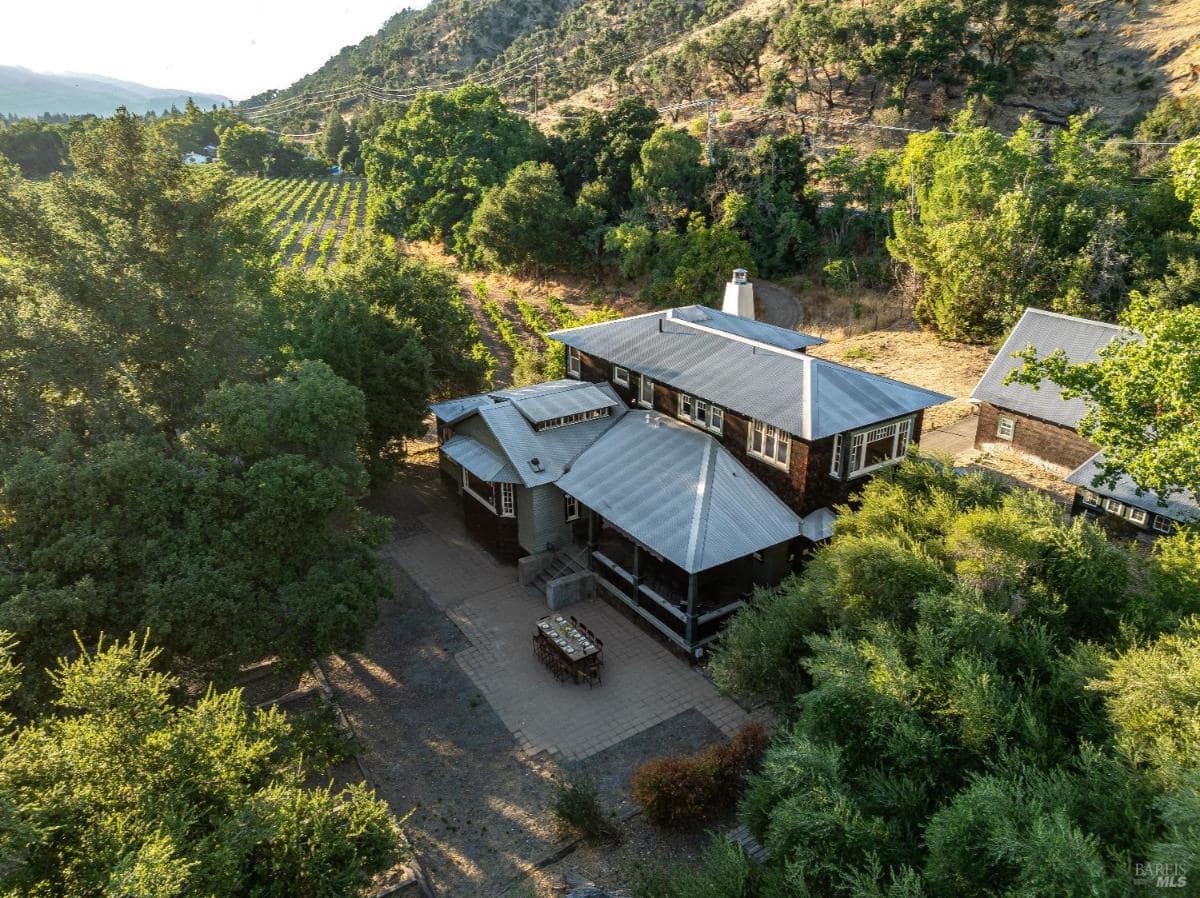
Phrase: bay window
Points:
(878, 447)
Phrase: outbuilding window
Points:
(1162, 524)
(1005, 427)
(1136, 515)
(574, 366)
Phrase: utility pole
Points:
(711, 116)
(537, 80)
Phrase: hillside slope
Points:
(1117, 57)
(580, 41)
(27, 93)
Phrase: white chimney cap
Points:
(741, 276)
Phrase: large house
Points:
(691, 453)
(1040, 424)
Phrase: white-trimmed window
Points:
(835, 465)
(571, 507)
(1162, 524)
(769, 443)
(1087, 497)
(878, 447)
(574, 366)
(701, 413)
(508, 507)
(573, 418)
(716, 419)
(1113, 506)
(1136, 515)
(480, 489)
(620, 376)
(1005, 427)
(645, 391)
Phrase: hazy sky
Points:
(231, 47)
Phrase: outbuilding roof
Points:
(761, 378)
(677, 490)
(1080, 338)
(1180, 506)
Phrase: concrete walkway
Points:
(953, 439)
(643, 683)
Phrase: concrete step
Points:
(754, 850)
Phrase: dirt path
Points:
(777, 305)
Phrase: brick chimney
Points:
(739, 295)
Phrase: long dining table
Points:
(570, 643)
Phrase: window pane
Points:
(757, 440)
(880, 451)
(701, 412)
(784, 445)
(769, 445)
(718, 418)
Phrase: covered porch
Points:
(677, 530)
(689, 609)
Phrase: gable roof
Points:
(530, 457)
(1180, 506)
(1080, 338)
(811, 398)
(678, 490)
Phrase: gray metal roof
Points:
(678, 491)
(740, 326)
(454, 410)
(1179, 506)
(555, 448)
(811, 398)
(1046, 332)
(819, 524)
(480, 460)
(581, 398)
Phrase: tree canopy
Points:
(121, 791)
(429, 168)
(971, 689)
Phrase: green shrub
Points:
(578, 812)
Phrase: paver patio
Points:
(643, 683)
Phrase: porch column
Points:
(691, 610)
(637, 564)
(591, 539)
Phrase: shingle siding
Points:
(543, 520)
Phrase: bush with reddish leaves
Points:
(683, 790)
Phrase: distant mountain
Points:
(28, 93)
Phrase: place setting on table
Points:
(569, 648)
